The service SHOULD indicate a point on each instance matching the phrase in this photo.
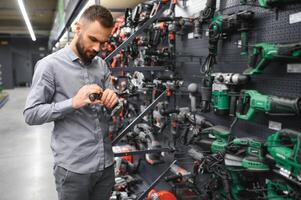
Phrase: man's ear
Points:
(77, 28)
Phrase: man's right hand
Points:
(81, 99)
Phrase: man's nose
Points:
(96, 47)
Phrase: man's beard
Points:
(84, 57)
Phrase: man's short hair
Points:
(100, 14)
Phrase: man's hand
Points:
(81, 99)
(109, 98)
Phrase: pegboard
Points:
(270, 25)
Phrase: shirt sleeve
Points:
(107, 78)
(39, 107)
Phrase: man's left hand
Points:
(109, 98)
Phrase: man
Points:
(62, 82)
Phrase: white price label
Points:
(295, 18)
(277, 126)
(294, 68)
(190, 35)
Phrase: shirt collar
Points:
(70, 53)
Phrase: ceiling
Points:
(40, 13)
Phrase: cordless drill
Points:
(264, 53)
(224, 25)
(251, 101)
(224, 94)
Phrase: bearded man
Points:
(61, 85)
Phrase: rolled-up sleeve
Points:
(39, 107)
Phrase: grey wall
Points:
(18, 58)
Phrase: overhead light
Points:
(26, 19)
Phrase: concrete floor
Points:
(25, 156)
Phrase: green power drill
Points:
(271, 3)
(212, 139)
(223, 25)
(284, 152)
(224, 94)
(264, 53)
(251, 101)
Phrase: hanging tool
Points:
(145, 193)
(192, 89)
(139, 117)
(251, 101)
(284, 152)
(224, 25)
(225, 92)
(161, 195)
(156, 12)
(203, 17)
(212, 139)
(263, 54)
(246, 153)
(281, 190)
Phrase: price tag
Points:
(277, 126)
(295, 18)
(294, 68)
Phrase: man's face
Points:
(91, 37)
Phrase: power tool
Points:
(160, 195)
(180, 175)
(245, 162)
(280, 190)
(246, 153)
(146, 140)
(284, 152)
(224, 92)
(251, 101)
(224, 25)
(264, 53)
(192, 89)
(212, 139)
(271, 3)
(115, 110)
(203, 17)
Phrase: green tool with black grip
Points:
(284, 152)
(262, 54)
(224, 25)
(251, 101)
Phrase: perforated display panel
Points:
(270, 25)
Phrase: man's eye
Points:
(93, 39)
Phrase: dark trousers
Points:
(74, 186)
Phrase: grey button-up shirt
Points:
(80, 137)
